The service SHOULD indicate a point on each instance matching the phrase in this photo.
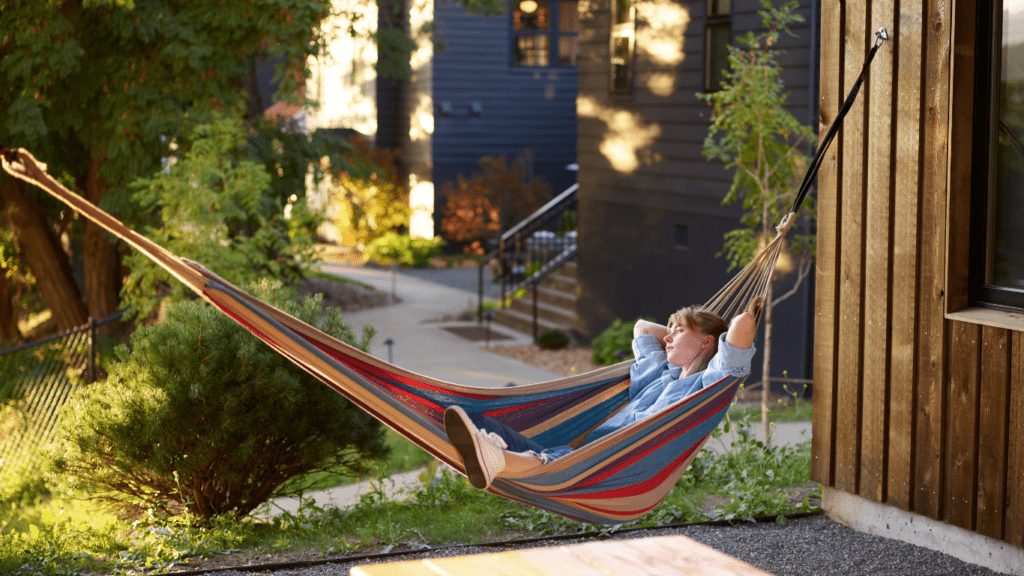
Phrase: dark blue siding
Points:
(522, 108)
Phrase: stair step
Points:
(553, 314)
(552, 297)
(521, 322)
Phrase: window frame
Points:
(970, 175)
(714, 22)
(553, 33)
(625, 30)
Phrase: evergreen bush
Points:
(616, 342)
(198, 416)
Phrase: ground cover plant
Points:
(743, 480)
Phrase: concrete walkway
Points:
(421, 344)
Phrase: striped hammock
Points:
(615, 479)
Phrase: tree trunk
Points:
(43, 255)
(8, 314)
(766, 367)
(102, 283)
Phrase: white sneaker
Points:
(481, 451)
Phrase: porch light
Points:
(528, 6)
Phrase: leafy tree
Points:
(211, 206)
(96, 89)
(200, 415)
(753, 133)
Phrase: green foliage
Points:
(200, 417)
(403, 250)
(212, 206)
(553, 339)
(616, 342)
(369, 197)
(752, 474)
(743, 480)
(752, 133)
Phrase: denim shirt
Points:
(655, 384)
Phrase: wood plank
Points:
(878, 95)
(658, 555)
(827, 257)
(906, 49)
(930, 424)
(994, 400)
(851, 266)
(962, 462)
(1013, 531)
(961, 124)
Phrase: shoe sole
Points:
(456, 425)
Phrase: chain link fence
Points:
(36, 379)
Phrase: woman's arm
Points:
(742, 330)
(646, 327)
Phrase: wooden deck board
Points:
(643, 556)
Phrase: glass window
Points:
(622, 45)
(545, 33)
(997, 243)
(717, 37)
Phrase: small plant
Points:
(614, 344)
(403, 250)
(553, 339)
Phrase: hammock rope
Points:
(612, 480)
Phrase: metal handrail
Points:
(540, 242)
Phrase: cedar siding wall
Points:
(643, 176)
(911, 408)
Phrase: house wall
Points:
(651, 219)
(918, 404)
(520, 108)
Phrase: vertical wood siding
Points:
(910, 409)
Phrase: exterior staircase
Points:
(556, 305)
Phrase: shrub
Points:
(495, 199)
(370, 198)
(199, 416)
(615, 343)
(403, 250)
(553, 339)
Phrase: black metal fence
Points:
(36, 379)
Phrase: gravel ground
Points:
(811, 546)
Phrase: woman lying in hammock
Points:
(695, 350)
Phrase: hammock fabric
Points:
(615, 479)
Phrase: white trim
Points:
(888, 522)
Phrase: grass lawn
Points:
(69, 535)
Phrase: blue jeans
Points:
(515, 440)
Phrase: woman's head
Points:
(692, 338)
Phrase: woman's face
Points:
(683, 345)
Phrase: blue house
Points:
(480, 86)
